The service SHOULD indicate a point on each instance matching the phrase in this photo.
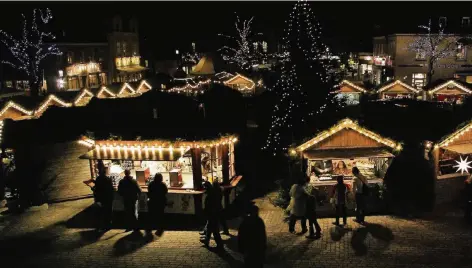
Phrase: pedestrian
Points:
(219, 194)
(361, 191)
(339, 193)
(211, 210)
(297, 206)
(311, 214)
(207, 186)
(157, 200)
(104, 195)
(129, 189)
(252, 238)
(468, 199)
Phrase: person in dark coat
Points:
(219, 194)
(104, 195)
(211, 210)
(468, 199)
(339, 194)
(129, 189)
(311, 214)
(252, 239)
(157, 200)
(207, 187)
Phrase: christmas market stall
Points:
(397, 90)
(450, 91)
(185, 165)
(335, 151)
(349, 92)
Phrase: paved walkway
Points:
(42, 239)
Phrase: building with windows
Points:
(391, 55)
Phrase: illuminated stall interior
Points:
(397, 90)
(336, 151)
(454, 152)
(84, 75)
(450, 91)
(349, 92)
(129, 68)
(242, 84)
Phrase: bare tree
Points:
(434, 46)
(30, 50)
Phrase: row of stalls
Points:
(451, 91)
(153, 137)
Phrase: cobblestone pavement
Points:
(41, 239)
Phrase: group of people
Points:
(130, 191)
(303, 203)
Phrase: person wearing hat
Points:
(252, 238)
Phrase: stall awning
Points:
(460, 148)
(347, 153)
(165, 155)
(131, 69)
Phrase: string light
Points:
(454, 136)
(49, 100)
(104, 89)
(345, 82)
(30, 50)
(450, 83)
(84, 92)
(143, 83)
(17, 107)
(126, 86)
(398, 82)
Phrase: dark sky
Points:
(174, 25)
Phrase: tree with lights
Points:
(304, 87)
(241, 54)
(434, 47)
(30, 50)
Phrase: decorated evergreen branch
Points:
(30, 50)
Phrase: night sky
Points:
(166, 26)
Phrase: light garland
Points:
(1, 131)
(189, 86)
(105, 89)
(345, 82)
(398, 82)
(348, 124)
(126, 86)
(50, 99)
(30, 50)
(253, 85)
(448, 83)
(454, 136)
(82, 95)
(17, 107)
(143, 83)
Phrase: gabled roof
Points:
(52, 99)
(239, 76)
(348, 124)
(455, 135)
(451, 83)
(204, 67)
(351, 85)
(397, 82)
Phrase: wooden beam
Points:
(225, 163)
(197, 168)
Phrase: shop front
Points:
(183, 165)
(334, 152)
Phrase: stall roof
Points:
(141, 155)
(460, 148)
(397, 86)
(347, 153)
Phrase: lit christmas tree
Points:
(304, 87)
(30, 50)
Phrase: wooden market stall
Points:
(450, 91)
(350, 92)
(184, 166)
(335, 151)
(396, 90)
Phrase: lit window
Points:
(124, 48)
(70, 56)
(146, 63)
(255, 46)
(264, 46)
(420, 55)
(9, 84)
(461, 52)
(419, 80)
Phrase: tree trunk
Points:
(34, 88)
(429, 75)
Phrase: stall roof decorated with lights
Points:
(348, 140)
(349, 87)
(451, 87)
(460, 141)
(397, 87)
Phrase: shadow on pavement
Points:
(338, 232)
(227, 257)
(131, 243)
(377, 231)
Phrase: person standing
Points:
(339, 195)
(207, 186)
(252, 238)
(129, 189)
(297, 206)
(104, 195)
(157, 200)
(212, 208)
(468, 199)
(219, 194)
(311, 214)
(361, 190)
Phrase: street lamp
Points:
(176, 52)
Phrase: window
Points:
(146, 63)
(465, 21)
(419, 80)
(442, 22)
(93, 80)
(9, 84)
(264, 46)
(461, 52)
(70, 57)
(61, 73)
(124, 48)
(255, 46)
(420, 55)
(118, 48)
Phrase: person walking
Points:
(361, 190)
(339, 193)
(219, 194)
(157, 200)
(252, 239)
(104, 195)
(129, 189)
(207, 187)
(311, 214)
(297, 206)
(468, 199)
(211, 210)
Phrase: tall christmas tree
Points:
(304, 86)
